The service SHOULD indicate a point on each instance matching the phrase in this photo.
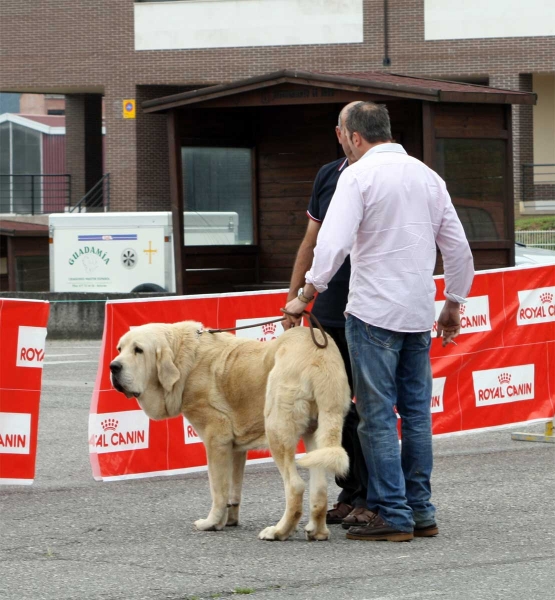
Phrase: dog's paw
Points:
(272, 534)
(317, 536)
(207, 525)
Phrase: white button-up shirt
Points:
(388, 212)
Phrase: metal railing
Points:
(97, 198)
(538, 182)
(538, 239)
(34, 194)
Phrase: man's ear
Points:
(168, 373)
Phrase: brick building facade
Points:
(87, 50)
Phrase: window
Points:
(218, 195)
(20, 154)
(32, 273)
(474, 170)
(5, 168)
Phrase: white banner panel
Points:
(15, 433)
(507, 384)
(240, 23)
(465, 19)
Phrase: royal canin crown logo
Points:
(546, 298)
(269, 329)
(109, 424)
(462, 308)
(504, 378)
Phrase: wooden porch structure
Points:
(287, 121)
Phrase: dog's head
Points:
(145, 369)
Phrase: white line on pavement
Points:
(67, 362)
(72, 354)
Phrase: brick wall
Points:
(87, 47)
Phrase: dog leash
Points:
(305, 313)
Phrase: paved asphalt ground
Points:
(69, 537)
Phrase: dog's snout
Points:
(115, 367)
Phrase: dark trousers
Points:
(354, 484)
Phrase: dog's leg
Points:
(316, 529)
(239, 459)
(283, 445)
(220, 466)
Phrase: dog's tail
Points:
(333, 459)
(333, 399)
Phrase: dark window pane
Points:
(32, 274)
(26, 159)
(217, 190)
(474, 171)
(5, 168)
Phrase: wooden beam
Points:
(12, 275)
(176, 196)
(428, 135)
(509, 184)
(498, 97)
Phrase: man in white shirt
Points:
(388, 212)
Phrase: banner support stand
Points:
(547, 436)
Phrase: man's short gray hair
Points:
(346, 110)
(369, 120)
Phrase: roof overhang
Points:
(20, 229)
(374, 84)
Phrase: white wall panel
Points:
(239, 23)
(463, 19)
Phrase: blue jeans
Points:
(393, 369)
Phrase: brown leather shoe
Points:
(336, 514)
(358, 516)
(378, 530)
(426, 530)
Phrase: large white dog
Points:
(241, 394)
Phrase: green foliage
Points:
(543, 223)
(240, 590)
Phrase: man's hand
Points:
(288, 323)
(449, 322)
(294, 307)
(303, 261)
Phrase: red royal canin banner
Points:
(22, 346)
(500, 372)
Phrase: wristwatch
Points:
(303, 298)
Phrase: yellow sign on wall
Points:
(129, 109)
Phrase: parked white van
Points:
(126, 252)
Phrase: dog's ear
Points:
(168, 373)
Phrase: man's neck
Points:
(367, 146)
